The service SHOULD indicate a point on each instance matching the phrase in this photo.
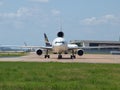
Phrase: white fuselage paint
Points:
(60, 45)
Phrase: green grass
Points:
(59, 76)
(12, 54)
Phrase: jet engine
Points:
(60, 34)
(80, 52)
(39, 52)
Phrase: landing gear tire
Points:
(47, 56)
(72, 56)
(59, 56)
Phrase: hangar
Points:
(95, 43)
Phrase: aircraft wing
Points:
(36, 47)
(46, 48)
(9, 45)
(29, 47)
(75, 47)
(99, 47)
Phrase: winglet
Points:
(47, 43)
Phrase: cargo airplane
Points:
(59, 46)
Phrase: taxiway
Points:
(87, 58)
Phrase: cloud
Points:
(21, 12)
(41, 1)
(55, 12)
(20, 16)
(24, 16)
(106, 19)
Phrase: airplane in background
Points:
(59, 46)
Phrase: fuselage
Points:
(59, 45)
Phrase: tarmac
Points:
(86, 58)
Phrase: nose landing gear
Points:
(59, 56)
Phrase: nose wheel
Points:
(59, 56)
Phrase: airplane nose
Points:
(59, 44)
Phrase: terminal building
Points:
(114, 46)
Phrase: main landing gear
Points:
(47, 56)
(60, 56)
(73, 55)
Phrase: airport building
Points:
(114, 45)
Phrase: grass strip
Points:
(59, 76)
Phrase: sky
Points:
(27, 20)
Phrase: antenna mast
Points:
(60, 24)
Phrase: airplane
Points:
(59, 46)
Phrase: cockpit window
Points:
(60, 42)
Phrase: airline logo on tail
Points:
(47, 43)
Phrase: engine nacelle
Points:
(80, 52)
(39, 52)
(60, 34)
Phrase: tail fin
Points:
(47, 43)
